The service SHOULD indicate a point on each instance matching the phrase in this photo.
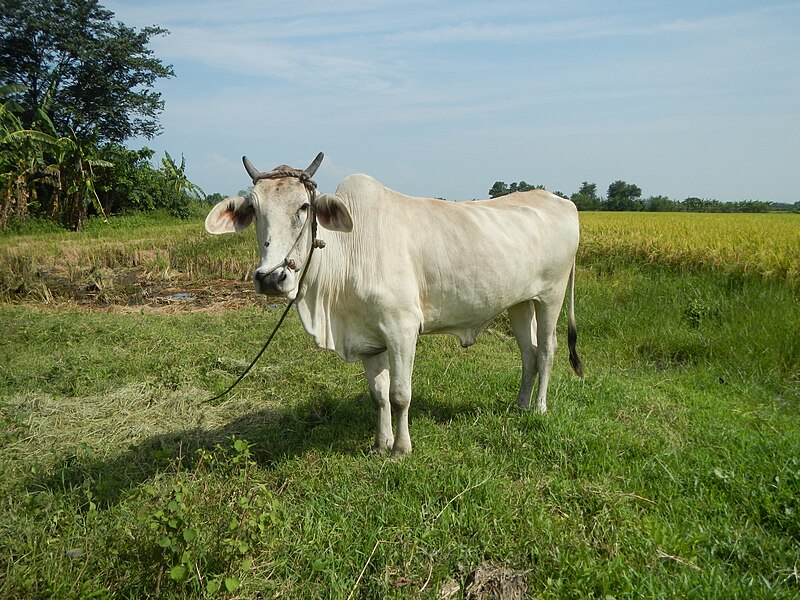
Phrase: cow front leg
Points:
(401, 366)
(376, 370)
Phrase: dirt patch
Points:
(131, 289)
(488, 581)
(493, 581)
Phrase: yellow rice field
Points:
(762, 245)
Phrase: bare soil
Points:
(131, 290)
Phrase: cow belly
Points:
(466, 335)
(466, 309)
(466, 314)
(464, 322)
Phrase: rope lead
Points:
(311, 188)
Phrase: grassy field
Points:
(671, 470)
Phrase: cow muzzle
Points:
(275, 282)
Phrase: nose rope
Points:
(288, 262)
(311, 188)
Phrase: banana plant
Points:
(22, 162)
(177, 180)
(75, 163)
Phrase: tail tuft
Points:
(574, 359)
(572, 330)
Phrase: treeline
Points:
(623, 196)
(74, 85)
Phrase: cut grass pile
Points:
(672, 470)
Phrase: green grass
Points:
(672, 470)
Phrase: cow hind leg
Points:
(376, 370)
(547, 317)
(523, 323)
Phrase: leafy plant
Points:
(182, 191)
(212, 554)
(55, 172)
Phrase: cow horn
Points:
(312, 168)
(254, 173)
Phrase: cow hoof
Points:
(399, 452)
(524, 405)
(377, 448)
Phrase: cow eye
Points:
(304, 207)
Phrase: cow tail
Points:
(572, 330)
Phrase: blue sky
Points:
(683, 98)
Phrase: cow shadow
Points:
(276, 434)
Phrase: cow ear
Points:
(332, 213)
(229, 216)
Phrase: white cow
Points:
(396, 266)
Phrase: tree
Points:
(177, 180)
(21, 162)
(623, 196)
(74, 84)
(182, 190)
(498, 189)
(216, 197)
(501, 189)
(52, 175)
(589, 190)
(695, 204)
(92, 75)
(131, 184)
(586, 197)
(74, 168)
(661, 204)
(752, 206)
(524, 186)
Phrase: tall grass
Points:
(761, 246)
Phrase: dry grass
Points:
(129, 268)
(118, 418)
(135, 266)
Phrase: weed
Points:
(206, 544)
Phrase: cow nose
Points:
(261, 276)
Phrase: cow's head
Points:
(280, 205)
